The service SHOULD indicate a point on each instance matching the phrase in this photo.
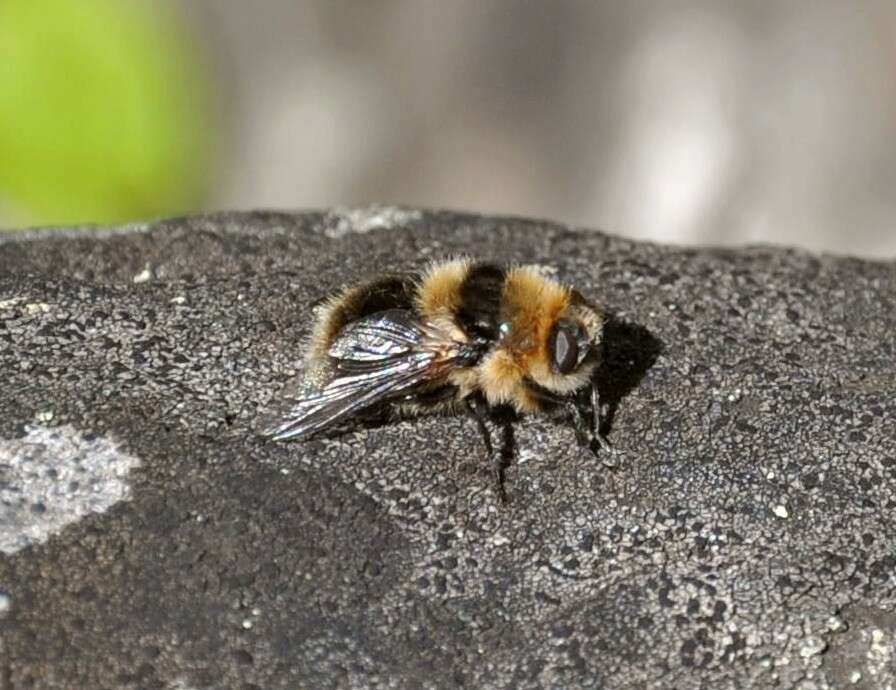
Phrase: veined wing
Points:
(376, 359)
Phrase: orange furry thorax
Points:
(531, 305)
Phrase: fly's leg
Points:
(581, 423)
(610, 455)
(479, 412)
(587, 418)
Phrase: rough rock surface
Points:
(746, 539)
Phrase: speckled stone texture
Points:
(745, 540)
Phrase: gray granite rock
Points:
(149, 537)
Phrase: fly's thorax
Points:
(548, 334)
(531, 305)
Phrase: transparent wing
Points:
(376, 359)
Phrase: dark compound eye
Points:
(564, 346)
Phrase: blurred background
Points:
(687, 121)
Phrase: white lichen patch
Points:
(44, 416)
(812, 646)
(144, 276)
(347, 221)
(881, 655)
(37, 308)
(55, 476)
(29, 308)
(180, 684)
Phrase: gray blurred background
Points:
(691, 121)
(695, 121)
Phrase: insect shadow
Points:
(630, 350)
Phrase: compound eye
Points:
(564, 347)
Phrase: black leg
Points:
(587, 420)
(479, 412)
(580, 422)
(597, 420)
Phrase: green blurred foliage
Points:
(104, 114)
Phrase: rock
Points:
(741, 382)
